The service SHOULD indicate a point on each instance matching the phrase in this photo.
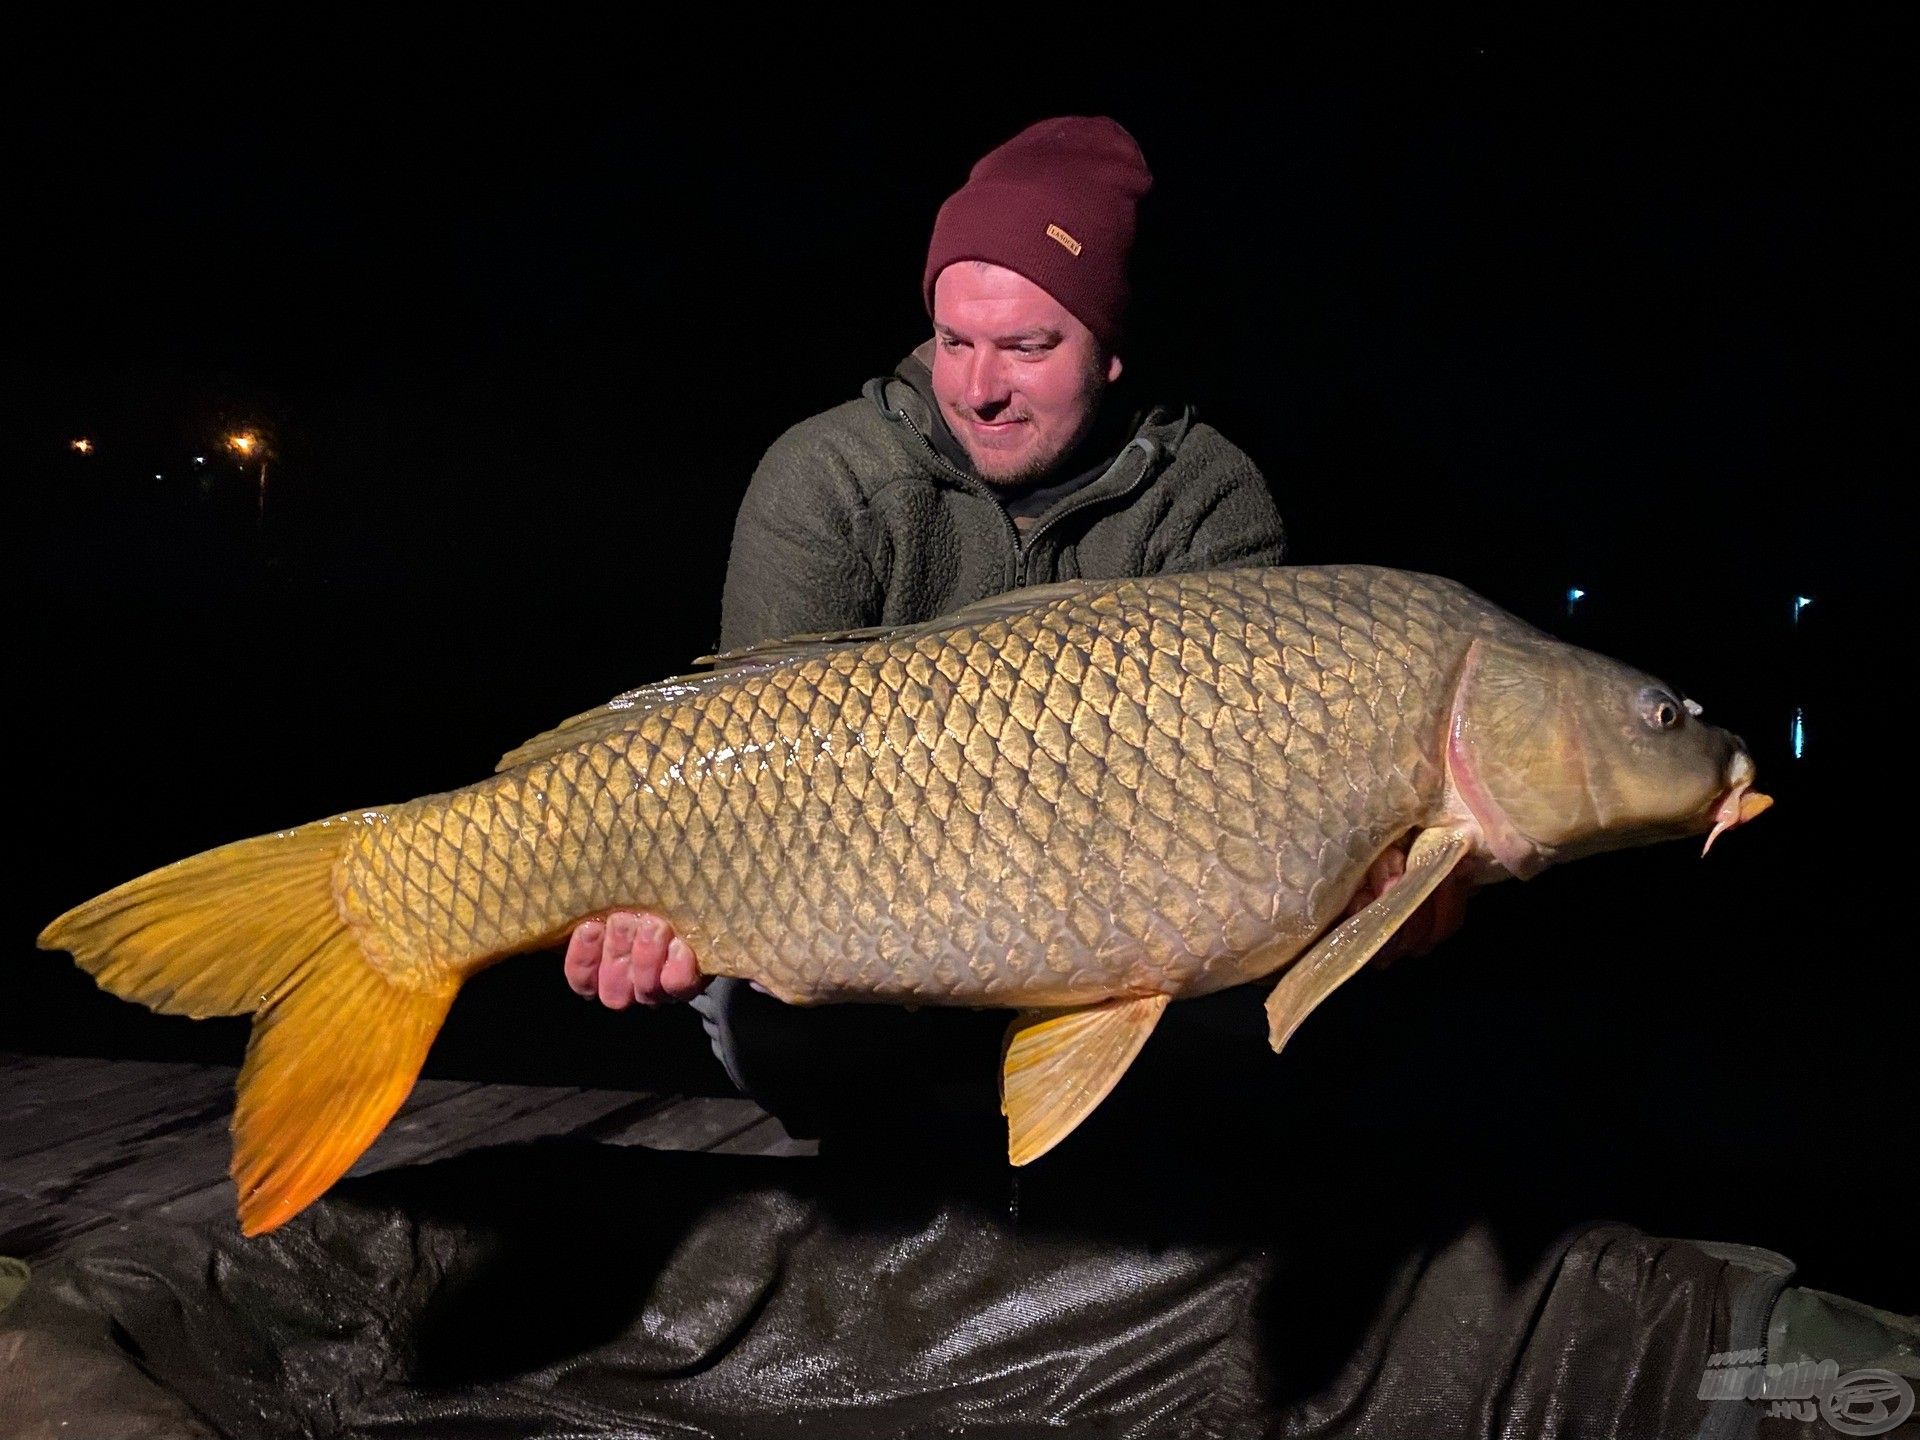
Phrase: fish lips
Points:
(1740, 804)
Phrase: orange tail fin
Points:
(252, 928)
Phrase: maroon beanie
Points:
(1056, 204)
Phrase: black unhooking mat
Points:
(568, 1289)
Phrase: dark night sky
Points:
(1613, 316)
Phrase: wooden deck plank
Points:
(50, 1077)
(190, 1159)
(696, 1122)
(40, 1076)
(217, 1200)
(574, 1115)
(766, 1137)
(151, 1157)
(160, 1154)
(457, 1123)
(86, 1143)
(184, 1153)
(214, 1199)
(93, 1123)
(46, 1105)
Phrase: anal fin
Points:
(1057, 1065)
(1343, 951)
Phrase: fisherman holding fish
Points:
(1012, 449)
(1077, 798)
(1183, 770)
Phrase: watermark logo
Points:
(1860, 1402)
(1867, 1402)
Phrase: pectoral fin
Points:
(1057, 1065)
(1343, 951)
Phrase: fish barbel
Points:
(1082, 801)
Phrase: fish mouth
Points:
(1741, 803)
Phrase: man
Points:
(1008, 450)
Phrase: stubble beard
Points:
(1092, 388)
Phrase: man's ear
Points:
(1113, 368)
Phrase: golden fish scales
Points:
(1142, 788)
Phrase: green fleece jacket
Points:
(853, 518)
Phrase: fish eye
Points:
(1659, 709)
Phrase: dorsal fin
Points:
(632, 705)
(1012, 602)
(619, 713)
(795, 647)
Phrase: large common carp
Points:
(1081, 800)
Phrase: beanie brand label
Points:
(1072, 246)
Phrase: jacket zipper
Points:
(967, 482)
(1146, 449)
(1022, 548)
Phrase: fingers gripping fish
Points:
(1080, 801)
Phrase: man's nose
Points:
(986, 379)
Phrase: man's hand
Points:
(1439, 915)
(628, 957)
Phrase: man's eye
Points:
(1032, 349)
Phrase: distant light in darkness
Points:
(243, 443)
(1800, 602)
(82, 446)
(1799, 732)
(158, 476)
(1574, 597)
(199, 459)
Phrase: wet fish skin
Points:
(1128, 788)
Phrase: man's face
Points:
(1018, 378)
